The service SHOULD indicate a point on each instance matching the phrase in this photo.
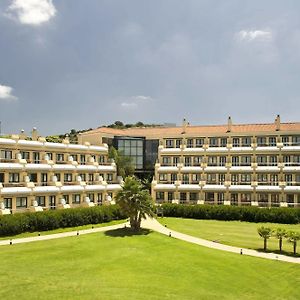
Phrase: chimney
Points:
(277, 123)
(22, 135)
(184, 125)
(229, 124)
(34, 134)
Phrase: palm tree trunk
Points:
(265, 244)
(280, 245)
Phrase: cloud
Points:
(6, 93)
(134, 101)
(31, 12)
(251, 35)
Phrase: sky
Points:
(80, 64)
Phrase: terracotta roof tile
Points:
(196, 130)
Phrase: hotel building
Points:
(232, 164)
(36, 175)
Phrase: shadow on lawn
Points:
(287, 253)
(127, 231)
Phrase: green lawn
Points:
(59, 230)
(234, 233)
(149, 266)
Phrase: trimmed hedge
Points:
(230, 213)
(53, 219)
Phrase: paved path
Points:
(154, 225)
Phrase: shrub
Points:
(230, 213)
(53, 219)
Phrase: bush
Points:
(53, 219)
(230, 213)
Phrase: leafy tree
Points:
(293, 237)
(265, 233)
(135, 201)
(279, 233)
(124, 163)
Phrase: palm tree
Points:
(293, 237)
(135, 201)
(279, 233)
(265, 233)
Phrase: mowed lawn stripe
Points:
(150, 266)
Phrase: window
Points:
(68, 177)
(166, 161)
(198, 160)
(82, 159)
(221, 178)
(273, 160)
(50, 155)
(182, 197)
(91, 196)
(296, 140)
(44, 177)
(246, 198)
(285, 140)
(222, 160)
(221, 198)
(32, 177)
(7, 203)
(195, 178)
(66, 197)
(261, 141)
(160, 196)
(36, 157)
(190, 143)
(212, 160)
(82, 175)
(24, 155)
(2, 177)
(235, 160)
(170, 196)
(52, 202)
(58, 177)
(74, 157)
(211, 178)
(185, 178)
(288, 179)
(286, 159)
(178, 143)
(274, 179)
(5, 154)
(173, 177)
(199, 142)
(59, 157)
(296, 159)
(262, 160)
(187, 161)
(76, 198)
(109, 177)
(235, 142)
(213, 142)
(246, 141)
(272, 141)
(99, 198)
(40, 200)
(223, 142)
(234, 179)
(14, 177)
(245, 178)
(245, 160)
(262, 178)
(176, 160)
(169, 143)
(101, 159)
(91, 177)
(162, 177)
(193, 197)
(234, 199)
(21, 202)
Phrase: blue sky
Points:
(80, 64)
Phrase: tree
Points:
(293, 237)
(265, 233)
(124, 163)
(279, 233)
(135, 201)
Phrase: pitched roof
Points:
(201, 130)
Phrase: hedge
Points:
(53, 219)
(230, 213)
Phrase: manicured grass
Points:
(117, 265)
(234, 233)
(59, 230)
